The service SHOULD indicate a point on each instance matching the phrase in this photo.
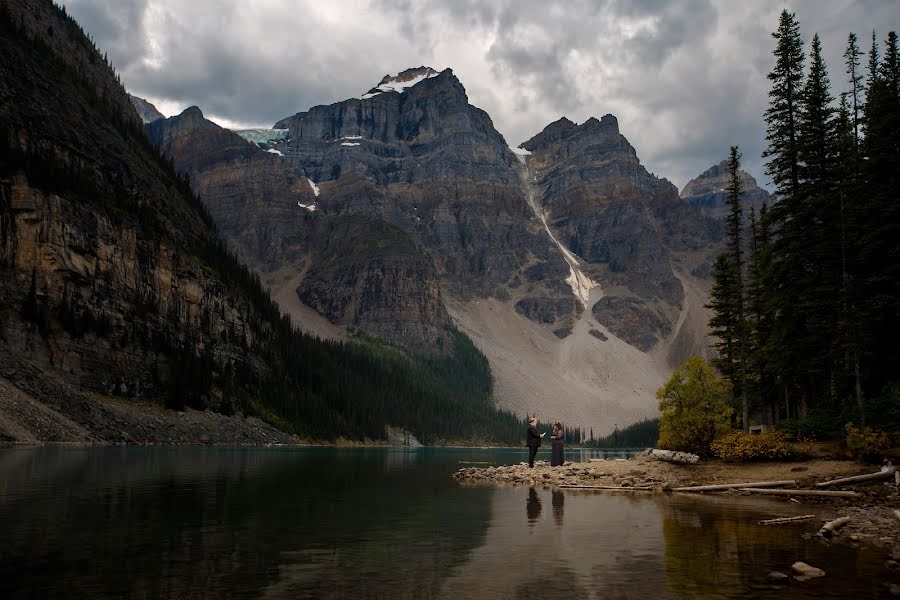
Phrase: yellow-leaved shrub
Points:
(866, 443)
(737, 445)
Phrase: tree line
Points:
(806, 298)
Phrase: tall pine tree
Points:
(783, 166)
(729, 322)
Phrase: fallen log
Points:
(727, 486)
(673, 456)
(831, 526)
(781, 520)
(605, 487)
(774, 492)
(885, 474)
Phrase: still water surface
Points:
(332, 523)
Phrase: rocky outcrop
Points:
(145, 110)
(707, 192)
(370, 275)
(633, 320)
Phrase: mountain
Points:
(145, 110)
(707, 191)
(567, 263)
(115, 286)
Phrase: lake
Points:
(380, 523)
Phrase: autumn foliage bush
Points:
(737, 445)
(866, 443)
(694, 407)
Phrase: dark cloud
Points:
(686, 78)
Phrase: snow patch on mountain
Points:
(309, 207)
(274, 151)
(401, 82)
(314, 187)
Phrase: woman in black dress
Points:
(557, 453)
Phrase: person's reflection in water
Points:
(558, 500)
(533, 506)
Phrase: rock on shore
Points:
(568, 474)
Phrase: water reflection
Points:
(533, 506)
(559, 500)
(194, 523)
(660, 547)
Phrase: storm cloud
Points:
(686, 78)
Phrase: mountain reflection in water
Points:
(373, 523)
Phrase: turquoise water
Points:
(379, 523)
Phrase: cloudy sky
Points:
(686, 78)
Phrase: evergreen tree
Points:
(783, 166)
(734, 225)
(817, 221)
(782, 114)
(851, 56)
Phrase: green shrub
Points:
(737, 445)
(694, 408)
(866, 443)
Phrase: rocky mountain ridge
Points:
(575, 239)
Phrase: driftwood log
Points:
(674, 456)
(884, 474)
(829, 493)
(727, 486)
(781, 520)
(830, 527)
(606, 487)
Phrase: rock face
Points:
(707, 192)
(145, 110)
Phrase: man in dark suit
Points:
(534, 441)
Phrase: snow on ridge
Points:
(352, 137)
(274, 151)
(309, 207)
(315, 188)
(349, 143)
(394, 84)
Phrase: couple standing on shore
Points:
(557, 452)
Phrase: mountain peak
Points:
(402, 81)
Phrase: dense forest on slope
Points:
(807, 298)
(121, 225)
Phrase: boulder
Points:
(805, 572)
